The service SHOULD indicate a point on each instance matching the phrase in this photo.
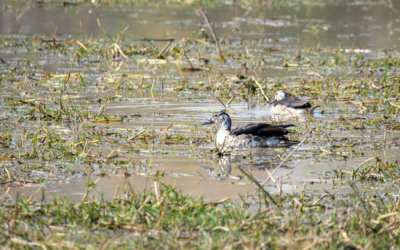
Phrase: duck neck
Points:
(226, 126)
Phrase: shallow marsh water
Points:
(150, 93)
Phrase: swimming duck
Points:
(251, 135)
(282, 104)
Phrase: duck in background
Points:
(283, 105)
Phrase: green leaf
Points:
(82, 81)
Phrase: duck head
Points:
(220, 117)
(279, 95)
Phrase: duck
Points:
(252, 135)
(282, 104)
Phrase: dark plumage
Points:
(262, 129)
(294, 102)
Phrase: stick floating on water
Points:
(201, 11)
(287, 157)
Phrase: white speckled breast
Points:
(283, 110)
(246, 141)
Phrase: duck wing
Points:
(295, 102)
(262, 129)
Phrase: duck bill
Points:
(207, 122)
(272, 101)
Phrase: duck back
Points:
(294, 102)
(262, 129)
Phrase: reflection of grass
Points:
(167, 219)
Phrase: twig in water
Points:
(67, 80)
(258, 184)
(286, 174)
(88, 191)
(121, 33)
(390, 5)
(117, 47)
(362, 163)
(155, 40)
(33, 195)
(273, 179)
(229, 102)
(156, 191)
(284, 160)
(165, 48)
(104, 106)
(201, 11)
(258, 63)
(187, 59)
(104, 31)
(222, 103)
(261, 89)
(8, 173)
(184, 42)
(191, 119)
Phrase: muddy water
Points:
(362, 24)
(368, 27)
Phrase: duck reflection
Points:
(225, 167)
(222, 169)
